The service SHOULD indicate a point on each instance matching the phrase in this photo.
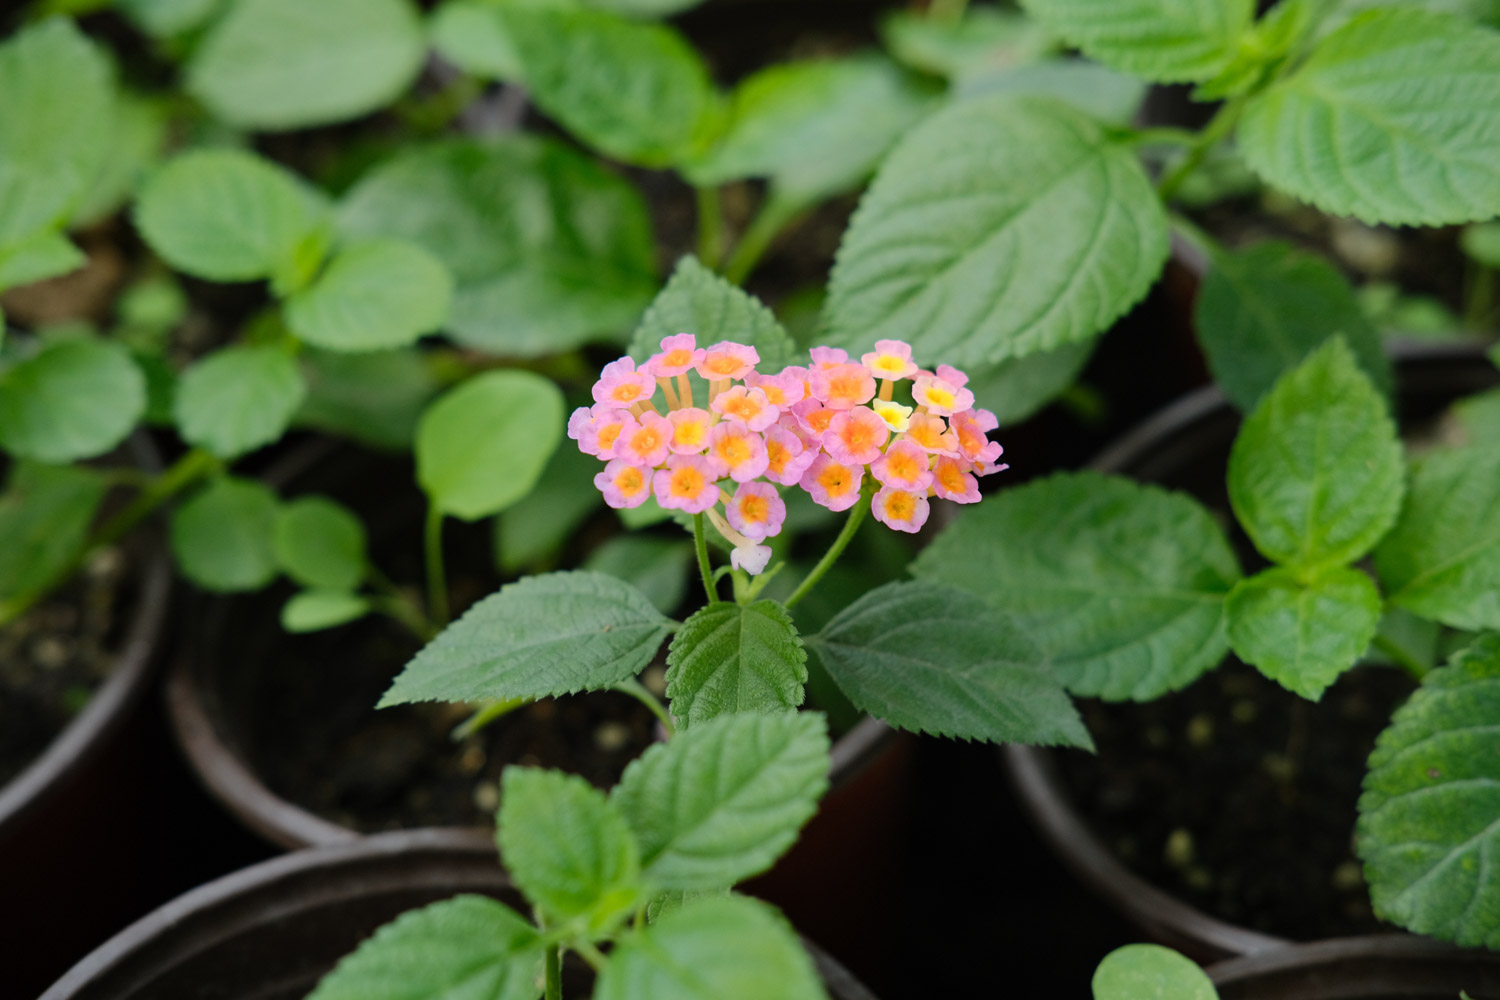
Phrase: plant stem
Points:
(437, 579)
(1399, 656)
(1217, 128)
(774, 215)
(1164, 136)
(856, 515)
(592, 955)
(553, 972)
(710, 227)
(1479, 302)
(638, 691)
(700, 541)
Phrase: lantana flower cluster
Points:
(827, 428)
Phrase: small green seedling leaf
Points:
(287, 64)
(1122, 585)
(1303, 633)
(137, 139)
(1000, 227)
(542, 635)
(44, 255)
(481, 447)
(1263, 310)
(223, 537)
(934, 659)
(658, 567)
(471, 35)
(698, 301)
(1429, 818)
(722, 801)
(166, 18)
(313, 610)
(1169, 41)
(45, 513)
(74, 399)
(381, 294)
(730, 658)
(239, 399)
(568, 847)
(1442, 560)
(1481, 242)
(469, 945)
(1316, 474)
(321, 544)
(1150, 972)
(376, 398)
(985, 40)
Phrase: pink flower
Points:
(687, 483)
(891, 359)
(742, 451)
(831, 484)
(855, 437)
(940, 396)
(843, 386)
(623, 484)
(756, 511)
(972, 443)
(932, 435)
(746, 406)
(951, 481)
(597, 428)
(750, 558)
(787, 457)
(952, 375)
(828, 357)
(899, 509)
(647, 443)
(678, 354)
(813, 419)
(904, 466)
(727, 359)
(621, 386)
(782, 390)
(690, 427)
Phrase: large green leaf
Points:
(1150, 972)
(1000, 227)
(224, 536)
(1262, 310)
(286, 64)
(321, 543)
(1098, 91)
(934, 659)
(1303, 633)
(713, 949)
(985, 40)
(45, 513)
(1121, 584)
(481, 447)
(54, 125)
(1164, 40)
(469, 946)
(547, 249)
(137, 138)
(722, 801)
(731, 658)
(238, 399)
(697, 301)
(1429, 818)
(165, 18)
(46, 254)
(381, 294)
(376, 398)
(470, 34)
(1442, 560)
(1316, 473)
(75, 399)
(635, 92)
(542, 635)
(1391, 119)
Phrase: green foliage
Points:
(223, 537)
(165, 18)
(1316, 473)
(239, 398)
(698, 301)
(547, 249)
(985, 40)
(482, 446)
(321, 544)
(381, 294)
(535, 527)
(470, 34)
(568, 847)
(469, 945)
(1303, 633)
(542, 635)
(1442, 559)
(1168, 41)
(1391, 119)
(312, 610)
(376, 398)
(138, 134)
(43, 255)
(730, 658)
(1262, 310)
(934, 659)
(657, 567)
(74, 399)
(1481, 242)
(720, 802)
(1479, 416)
(1121, 584)
(1000, 227)
(45, 513)
(1097, 91)
(288, 64)
(1018, 387)
(1429, 818)
(714, 949)
(1150, 972)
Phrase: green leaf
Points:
(814, 128)
(1169, 41)
(1391, 119)
(933, 659)
(45, 255)
(730, 658)
(645, 8)
(1095, 90)
(1151, 972)
(1303, 633)
(313, 610)
(1000, 227)
(634, 92)
(722, 801)
(481, 447)
(469, 946)
(673, 900)
(567, 847)
(1316, 474)
(1442, 560)
(1429, 818)
(54, 125)
(223, 537)
(986, 40)
(45, 513)
(657, 567)
(470, 34)
(538, 637)
(547, 249)
(1120, 583)
(376, 398)
(227, 215)
(1015, 389)
(714, 949)
(537, 526)
(137, 138)
(381, 294)
(238, 399)
(321, 544)
(74, 399)
(697, 301)
(1481, 242)
(1479, 416)
(287, 64)
(165, 18)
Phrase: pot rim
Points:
(1342, 954)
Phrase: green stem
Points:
(592, 955)
(1399, 656)
(774, 215)
(638, 691)
(553, 972)
(1217, 128)
(710, 227)
(700, 541)
(1479, 302)
(437, 579)
(1164, 136)
(856, 515)
(393, 602)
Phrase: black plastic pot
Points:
(1378, 967)
(271, 931)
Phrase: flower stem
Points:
(1399, 656)
(437, 579)
(638, 691)
(553, 972)
(775, 214)
(1217, 128)
(710, 227)
(700, 541)
(856, 515)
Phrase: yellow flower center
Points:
(779, 454)
(690, 433)
(627, 392)
(900, 506)
(905, 465)
(630, 481)
(686, 482)
(952, 477)
(835, 479)
(721, 364)
(734, 450)
(609, 436)
(939, 397)
(755, 509)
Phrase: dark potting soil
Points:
(1239, 797)
(56, 655)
